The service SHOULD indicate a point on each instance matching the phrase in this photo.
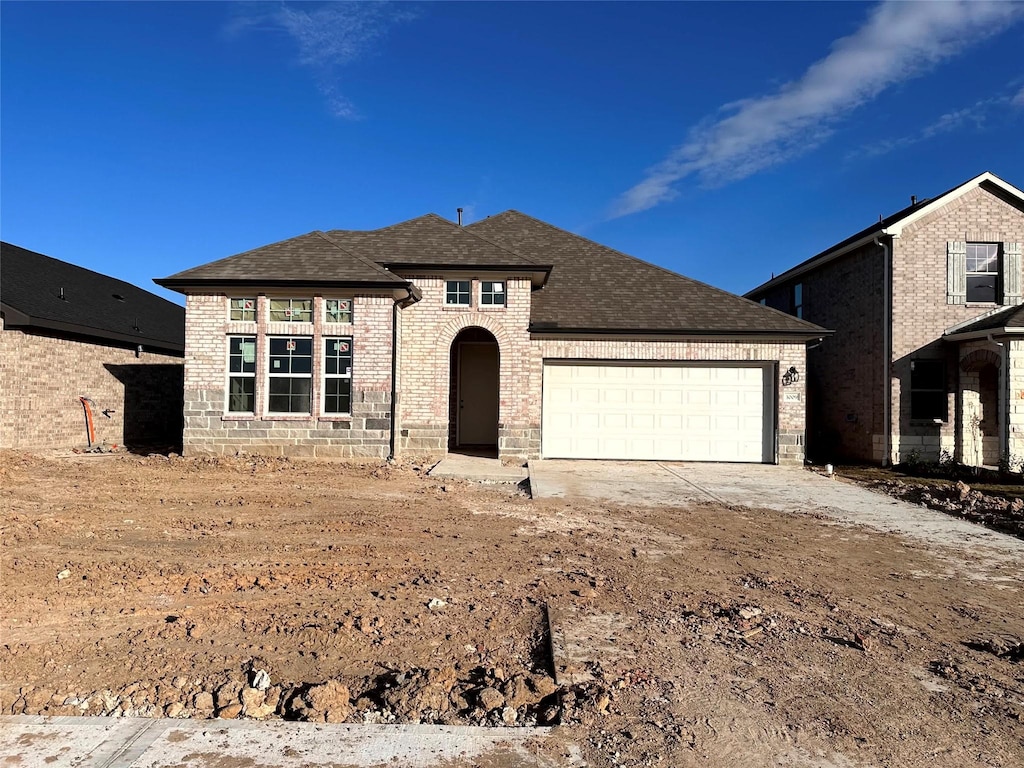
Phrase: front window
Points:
(456, 293)
(983, 272)
(339, 310)
(337, 375)
(928, 390)
(241, 374)
(798, 300)
(291, 310)
(492, 293)
(290, 374)
(243, 309)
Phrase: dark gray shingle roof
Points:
(596, 288)
(93, 305)
(1011, 317)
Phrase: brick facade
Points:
(42, 378)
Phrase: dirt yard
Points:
(683, 637)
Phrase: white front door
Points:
(678, 412)
(477, 393)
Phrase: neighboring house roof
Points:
(41, 292)
(593, 288)
(893, 225)
(1001, 321)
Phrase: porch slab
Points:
(480, 469)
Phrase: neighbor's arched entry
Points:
(473, 414)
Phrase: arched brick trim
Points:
(978, 359)
(480, 320)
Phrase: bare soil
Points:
(695, 636)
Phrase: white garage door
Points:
(668, 413)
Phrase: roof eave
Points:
(817, 261)
(183, 285)
(14, 318)
(809, 334)
(982, 334)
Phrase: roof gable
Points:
(595, 288)
(39, 291)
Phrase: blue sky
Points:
(724, 141)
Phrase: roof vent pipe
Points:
(913, 199)
(459, 211)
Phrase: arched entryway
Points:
(979, 379)
(473, 396)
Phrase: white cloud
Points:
(1018, 100)
(898, 41)
(328, 37)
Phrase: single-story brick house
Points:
(928, 351)
(509, 334)
(68, 333)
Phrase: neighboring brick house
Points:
(68, 333)
(928, 351)
(508, 335)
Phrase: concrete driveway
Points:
(759, 486)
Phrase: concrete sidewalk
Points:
(481, 469)
(104, 742)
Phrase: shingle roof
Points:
(93, 304)
(313, 257)
(1011, 317)
(596, 288)
(430, 240)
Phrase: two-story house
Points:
(928, 351)
(508, 335)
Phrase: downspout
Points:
(412, 295)
(886, 348)
(1004, 399)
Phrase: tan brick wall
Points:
(43, 377)
(921, 314)
(1015, 411)
(208, 429)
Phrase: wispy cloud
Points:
(975, 116)
(328, 37)
(897, 41)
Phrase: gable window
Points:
(492, 293)
(337, 375)
(928, 390)
(241, 374)
(290, 374)
(339, 310)
(456, 293)
(243, 309)
(291, 310)
(983, 273)
(798, 300)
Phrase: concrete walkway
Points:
(481, 469)
(103, 742)
(787, 489)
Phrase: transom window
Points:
(339, 310)
(983, 272)
(492, 292)
(243, 309)
(456, 293)
(241, 374)
(928, 390)
(291, 310)
(290, 374)
(338, 375)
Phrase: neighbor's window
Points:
(456, 293)
(241, 374)
(339, 310)
(798, 300)
(492, 292)
(983, 272)
(243, 309)
(291, 310)
(337, 375)
(928, 389)
(290, 374)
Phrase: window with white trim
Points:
(241, 374)
(456, 293)
(243, 309)
(983, 270)
(337, 375)
(291, 310)
(338, 310)
(492, 293)
(290, 374)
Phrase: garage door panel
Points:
(678, 412)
